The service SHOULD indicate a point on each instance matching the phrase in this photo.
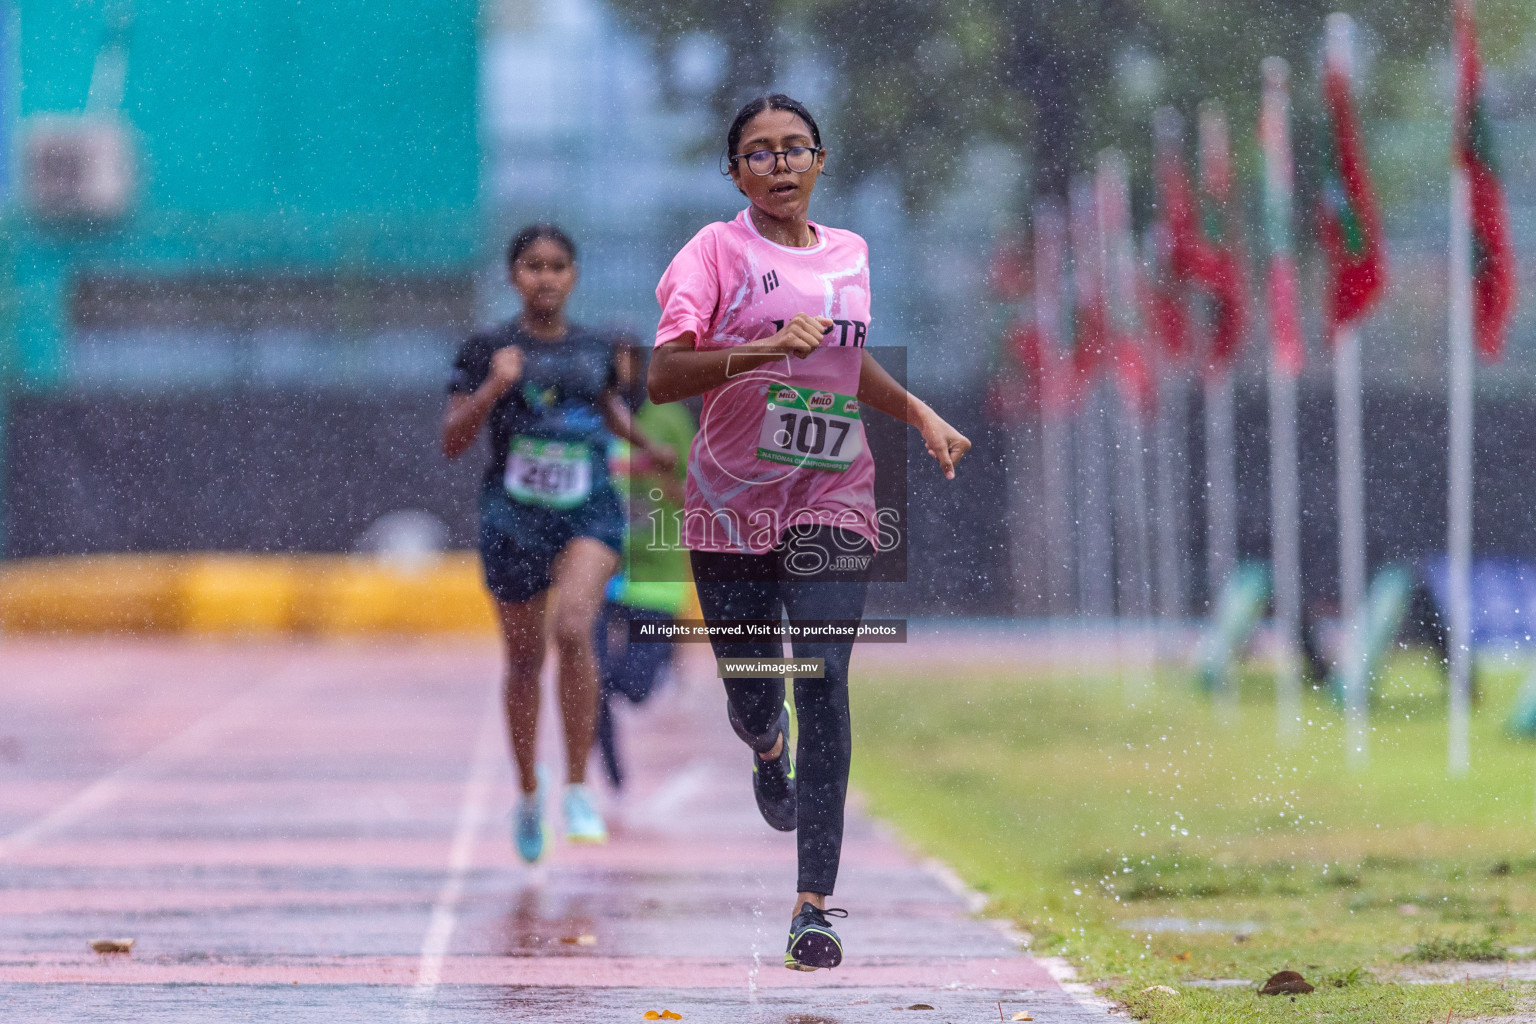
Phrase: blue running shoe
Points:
(773, 784)
(528, 826)
(582, 822)
(813, 944)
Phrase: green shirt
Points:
(655, 572)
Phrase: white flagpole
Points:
(1285, 541)
(1220, 475)
(1284, 473)
(1132, 520)
(1096, 558)
(1220, 442)
(1049, 240)
(1172, 433)
(1459, 540)
(1096, 572)
(1058, 515)
(1351, 474)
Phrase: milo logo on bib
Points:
(553, 474)
(810, 428)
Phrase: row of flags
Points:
(1195, 246)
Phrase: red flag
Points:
(1090, 314)
(1177, 209)
(1223, 276)
(1173, 249)
(1162, 293)
(1126, 336)
(1014, 391)
(1011, 273)
(1493, 260)
(1290, 350)
(1058, 382)
(1133, 377)
(1350, 225)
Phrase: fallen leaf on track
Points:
(112, 945)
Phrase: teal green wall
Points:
(274, 135)
(340, 106)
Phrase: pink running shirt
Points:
(783, 444)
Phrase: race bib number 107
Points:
(811, 428)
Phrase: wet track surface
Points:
(305, 832)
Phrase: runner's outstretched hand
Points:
(944, 442)
(802, 335)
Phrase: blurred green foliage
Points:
(921, 81)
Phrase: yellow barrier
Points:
(103, 593)
(220, 594)
(224, 595)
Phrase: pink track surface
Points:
(319, 832)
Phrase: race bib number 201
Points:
(811, 428)
(554, 474)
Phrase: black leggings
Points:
(796, 578)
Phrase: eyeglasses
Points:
(764, 162)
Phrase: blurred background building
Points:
(240, 247)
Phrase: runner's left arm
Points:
(879, 390)
(621, 422)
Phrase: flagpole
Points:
(1171, 431)
(1096, 557)
(1132, 520)
(1096, 581)
(1172, 426)
(1058, 515)
(1351, 482)
(1220, 442)
(1049, 234)
(1285, 529)
(1171, 497)
(1220, 474)
(1459, 539)
(1027, 540)
(1480, 225)
(1284, 470)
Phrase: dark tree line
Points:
(920, 80)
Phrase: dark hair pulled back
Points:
(542, 231)
(773, 101)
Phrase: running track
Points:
(308, 832)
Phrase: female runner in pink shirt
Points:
(767, 316)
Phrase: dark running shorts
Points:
(518, 545)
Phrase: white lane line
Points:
(681, 786)
(472, 808)
(189, 742)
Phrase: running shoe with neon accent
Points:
(813, 945)
(773, 784)
(582, 822)
(528, 826)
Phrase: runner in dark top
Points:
(548, 515)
